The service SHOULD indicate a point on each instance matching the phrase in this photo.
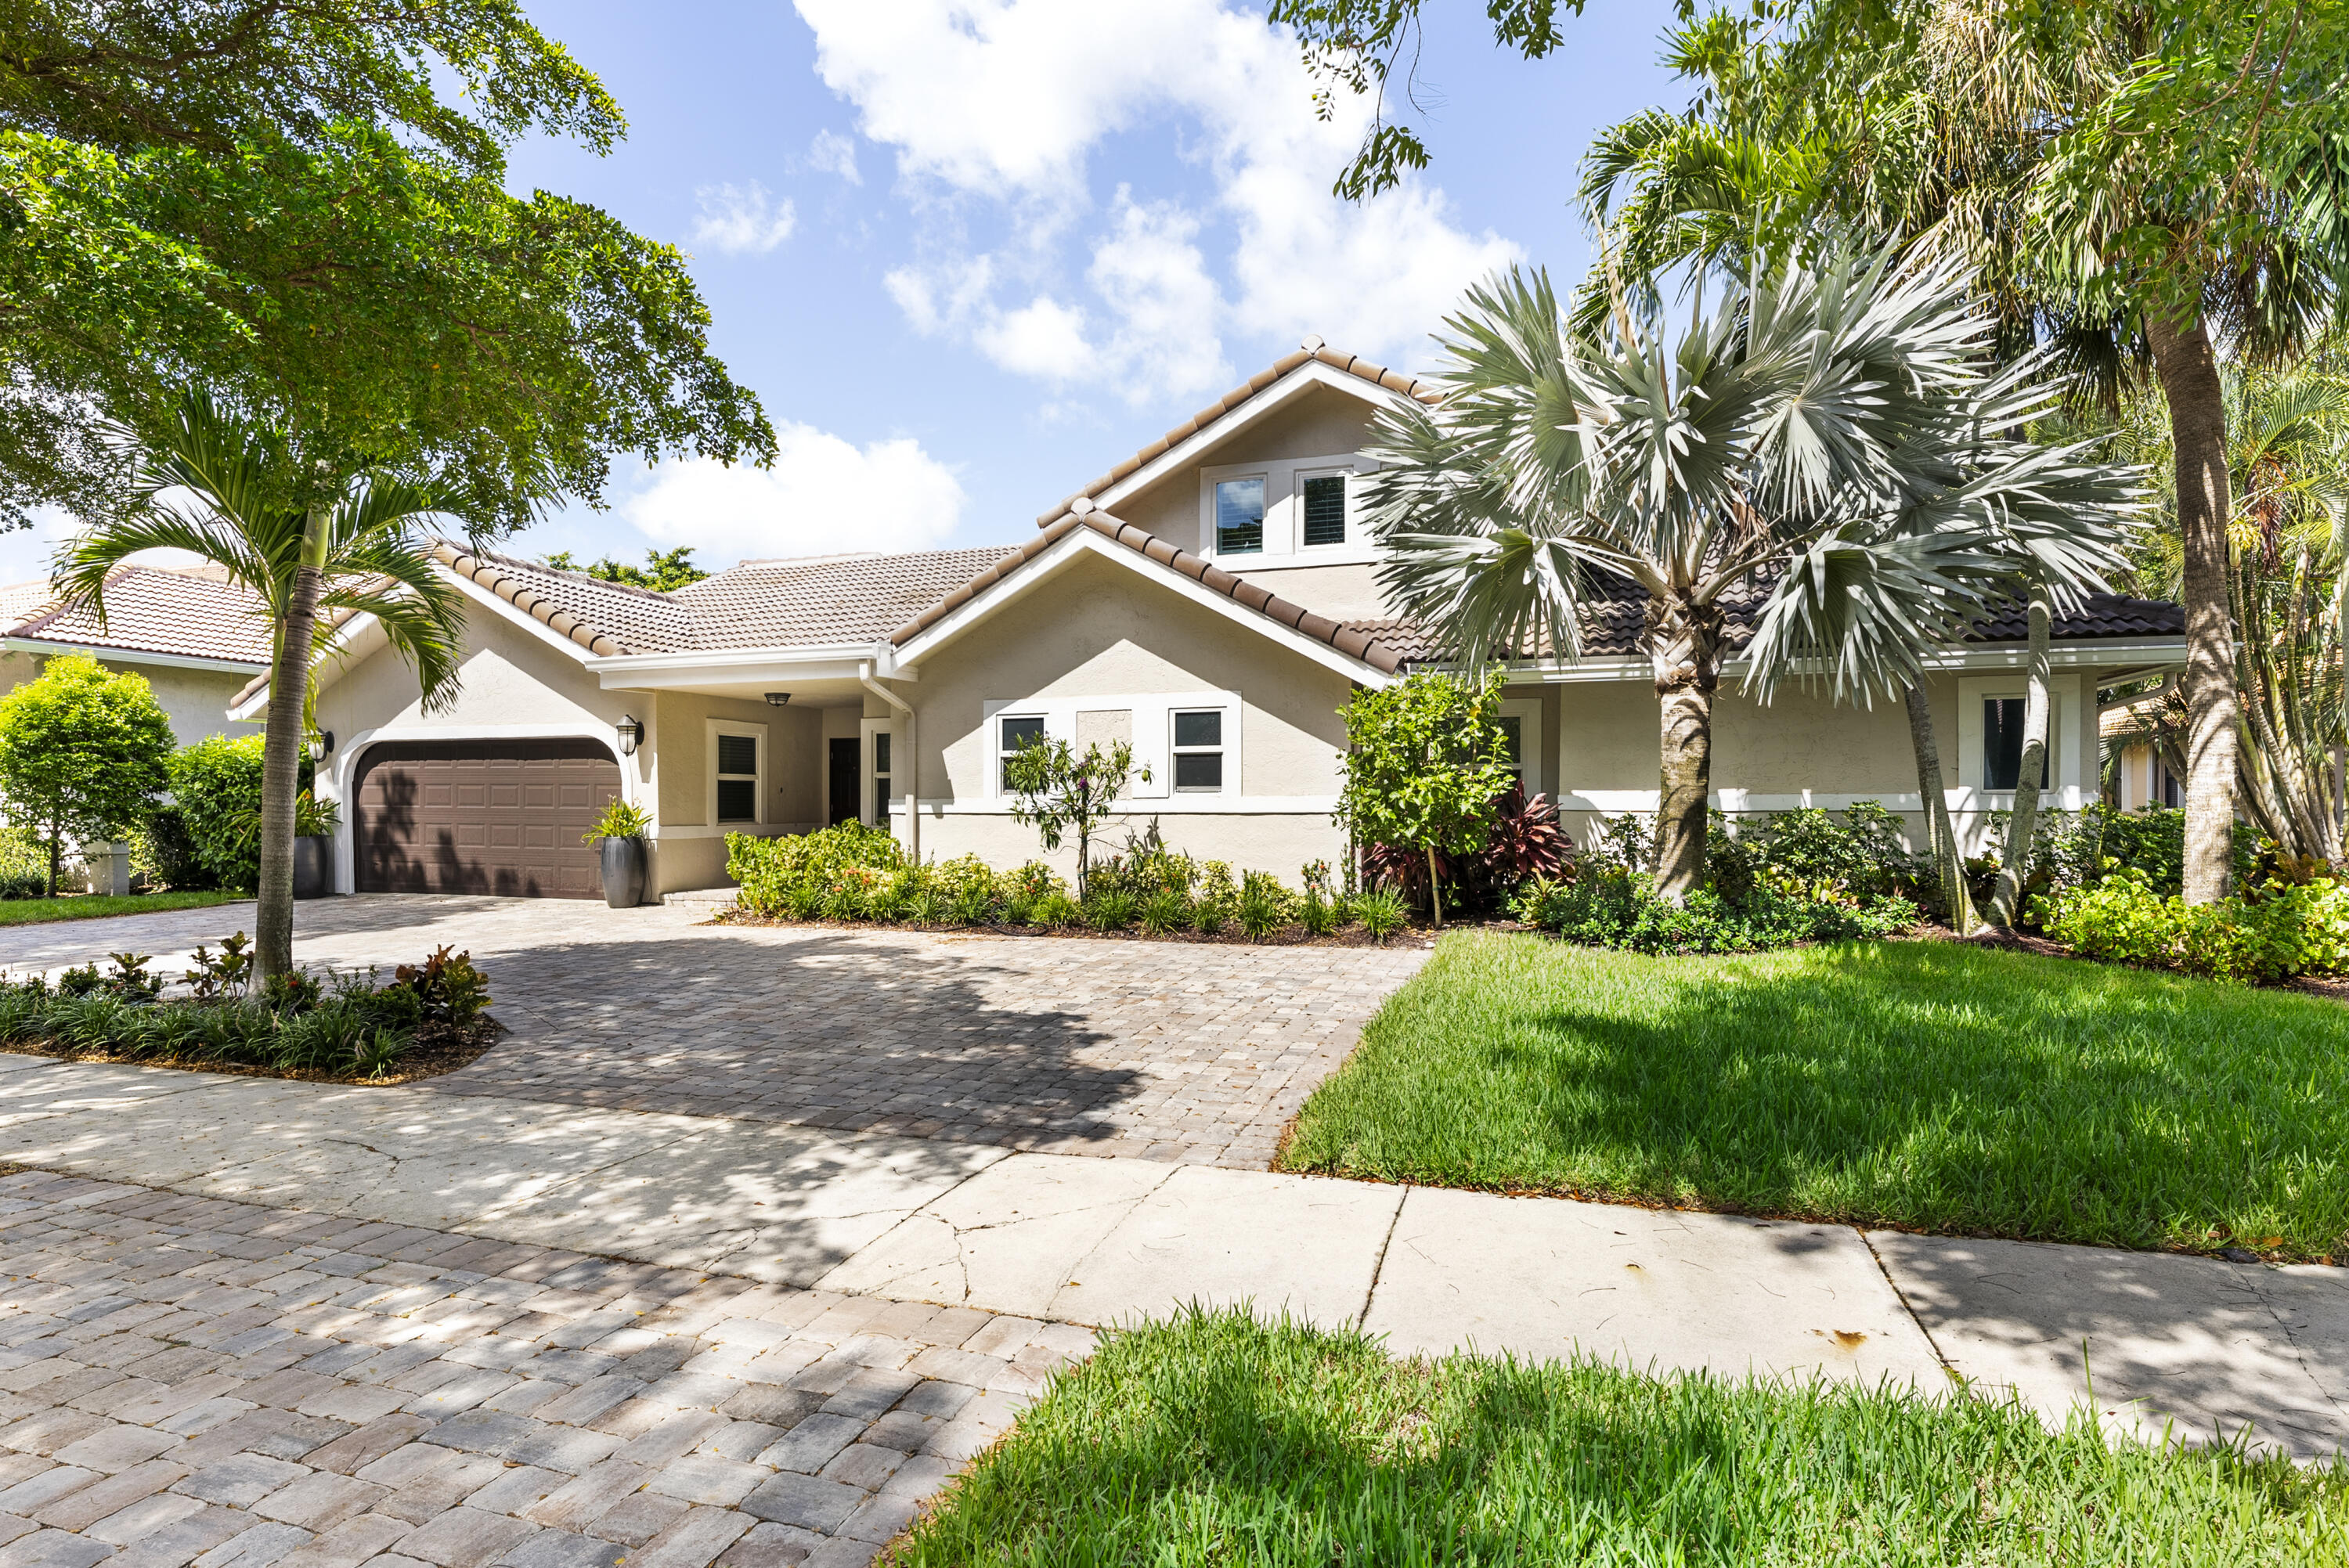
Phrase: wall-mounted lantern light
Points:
(322, 744)
(631, 732)
(778, 698)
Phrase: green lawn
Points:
(91, 906)
(1215, 1440)
(1928, 1086)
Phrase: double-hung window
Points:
(2002, 744)
(1011, 736)
(881, 776)
(1199, 752)
(1322, 502)
(1239, 517)
(738, 778)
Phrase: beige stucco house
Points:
(198, 638)
(1211, 599)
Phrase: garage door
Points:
(486, 816)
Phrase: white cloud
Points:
(833, 153)
(739, 221)
(1005, 101)
(821, 495)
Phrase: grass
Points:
(93, 906)
(1214, 1439)
(1924, 1086)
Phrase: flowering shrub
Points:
(2278, 931)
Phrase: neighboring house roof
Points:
(186, 614)
(1353, 644)
(1314, 352)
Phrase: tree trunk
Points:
(1949, 865)
(2198, 433)
(1435, 889)
(2006, 899)
(281, 761)
(1684, 649)
(53, 833)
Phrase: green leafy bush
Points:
(1164, 913)
(772, 871)
(1380, 912)
(1112, 909)
(1618, 908)
(163, 850)
(2276, 932)
(216, 785)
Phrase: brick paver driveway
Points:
(186, 1380)
(1158, 1050)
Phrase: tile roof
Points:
(1352, 643)
(835, 599)
(1313, 352)
(149, 610)
(1612, 624)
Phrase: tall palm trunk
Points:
(2197, 432)
(281, 764)
(1684, 649)
(1949, 865)
(2006, 899)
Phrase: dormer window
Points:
(1325, 509)
(1239, 517)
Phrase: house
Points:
(1211, 599)
(197, 637)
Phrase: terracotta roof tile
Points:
(150, 610)
(1314, 351)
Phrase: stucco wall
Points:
(1320, 423)
(1096, 629)
(196, 701)
(681, 745)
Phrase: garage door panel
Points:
(488, 817)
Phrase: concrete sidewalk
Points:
(2209, 1345)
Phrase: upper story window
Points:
(2002, 744)
(1324, 509)
(738, 778)
(1011, 735)
(1199, 752)
(1239, 517)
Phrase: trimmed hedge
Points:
(1616, 908)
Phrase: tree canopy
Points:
(662, 571)
(275, 201)
(82, 754)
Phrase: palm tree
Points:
(315, 548)
(1827, 436)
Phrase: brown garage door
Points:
(483, 816)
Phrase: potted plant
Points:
(622, 829)
(315, 822)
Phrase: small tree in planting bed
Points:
(82, 751)
(1427, 763)
(1062, 790)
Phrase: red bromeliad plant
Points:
(1523, 839)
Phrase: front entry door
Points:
(844, 779)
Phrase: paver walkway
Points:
(1163, 1051)
(1056, 1238)
(191, 1380)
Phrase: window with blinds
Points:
(1325, 509)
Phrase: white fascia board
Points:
(1038, 570)
(46, 645)
(1186, 452)
(828, 661)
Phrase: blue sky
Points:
(969, 252)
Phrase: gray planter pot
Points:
(623, 872)
(313, 866)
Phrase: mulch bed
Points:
(437, 1051)
(1289, 936)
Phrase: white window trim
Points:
(2066, 789)
(1154, 737)
(1284, 510)
(868, 773)
(1224, 733)
(757, 733)
(1528, 712)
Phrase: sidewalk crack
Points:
(1907, 1306)
(1378, 1269)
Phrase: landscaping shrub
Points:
(163, 850)
(773, 872)
(1618, 908)
(2275, 931)
(216, 785)
(344, 1024)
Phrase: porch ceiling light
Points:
(777, 698)
(631, 732)
(322, 742)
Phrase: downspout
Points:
(913, 757)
